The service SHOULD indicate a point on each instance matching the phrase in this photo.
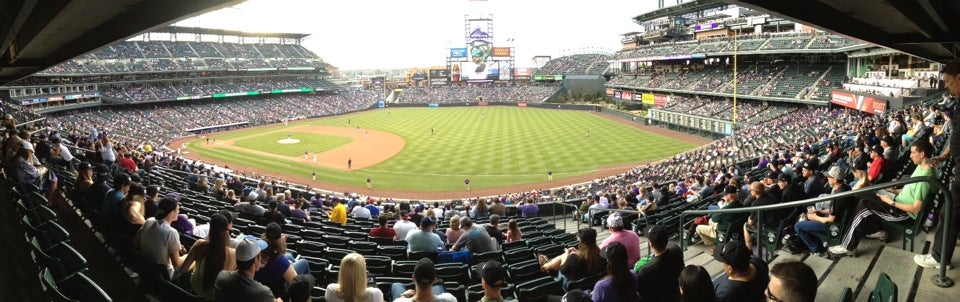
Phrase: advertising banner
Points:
(473, 71)
(616, 94)
(501, 51)
(458, 53)
(521, 104)
(638, 97)
(439, 74)
(859, 102)
(609, 92)
(504, 71)
(626, 95)
(647, 98)
(659, 100)
(523, 71)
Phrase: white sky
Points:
(373, 34)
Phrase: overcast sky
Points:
(368, 34)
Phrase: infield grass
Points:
(492, 146)
(315, 143)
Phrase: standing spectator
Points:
(657, 280)
(627, 238)
(620, 284)
(158, 241)
(695, 285)
(744, 276)
(792, 281)
(239, 285)
(453, 231)
(383, 230)
(352, 282)
(107, 155)
(513, 231)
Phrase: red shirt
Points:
(386, 232)
(875, 168)
(128, 164)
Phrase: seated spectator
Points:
(903, 207)
(620, 284)
(579, 263)
(111, 202)
(744, 276)
(792, 281)
(817, 221)
(212, 255)
(403, 226)
(183, 224)
(493, 228)
(708, 232)
(84, 178)
(352, 282)
(657, 280)
(373, 208)
(273, 214)
(497, 207)
(627, 238)
(513, 231)
(875, 167)
(239, 285)
(696, 285)
(424, 240)
(427, 289)
(251, 207)
(158, 241)
(279, 270)
(300, 211)
(132, 211)
(339, 212)
(454, 231)
(383, 230)
(493, 277)
(474, 238)
(529, 209)
(361, 212)
(480, 210)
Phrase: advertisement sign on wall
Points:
(458, 53)
(859, 102)
(501, 51)
(609, 92)
(616, 94)
(647, 98)
(659, 100)
(626, 95)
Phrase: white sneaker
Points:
(927, 261)
(881, 235)
(840, 251)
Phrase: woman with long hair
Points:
(480, 210)
(575, 264)
(211, 255)
(454, 231)
(513, 231)
(132, 209)
(278, 268)
(219, 188)
(695, 285)
(620, 284)
(84, 178)
(352, 282)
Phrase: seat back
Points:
(846, 295)
(885, 291)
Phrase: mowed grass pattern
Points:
(315, 143)
(492, 146)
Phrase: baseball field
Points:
(437, 149)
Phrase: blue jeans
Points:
(806, 231)
(398, 288)
(302, 267)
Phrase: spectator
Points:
(424, 278)
(339, 212)
(877, 166)
(620, 284)
(403, 226)
(657, 280)
(239, 285)
(84, 178)
(575, 264)
(480, 210)
(453, 231)
(361, 212)
(708, 232)
(111, 201)
(424, 240)
(132, 211)
(792, 281)
(497, 207)
(695, 285)
(373, 208)
(493, 277)
(352, 282)
(273, 214)
(279, 270)
(529, 209)
(493, 228)
(212, 255)
(474, 239)
(158, 241)
(251, 207)
(744, 276)
(513, 231)
(817, 221)
(300, 210)
(150, 204)
(383, 230)
(627, 238)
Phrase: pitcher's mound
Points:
(288, 141)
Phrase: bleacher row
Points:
(171, 91)
(747, 42)
(580, 64)
(165, 56)
(787, 81)
(448, 94)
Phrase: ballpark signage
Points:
(626, 95)
(609, 92)
(659, 100)
(859, 102)
(647, 98)
(616, 94)
(501, 51)
(458, 52)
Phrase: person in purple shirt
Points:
(620, 283)
(529, 209)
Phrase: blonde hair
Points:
(455, 222)
(352, 280)
(431, 213)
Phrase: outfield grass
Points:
(493, 146)
(315, 143)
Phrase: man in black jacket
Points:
(657, 280)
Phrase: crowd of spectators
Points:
(581, 64)
(476, 93)
(170, 91)
(747, 41)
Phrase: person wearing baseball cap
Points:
(239, 285)
(708, 232)
(657, 280)
(770, 182)
(424, 240)
(403, 226)
(819, 218)
(875, 167)
(813, 183)
(627, 238)
(424, 277)
(744, 277)
(493, 278)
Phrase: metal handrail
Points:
(940, 279)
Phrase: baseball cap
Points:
(730, 190)
(55, 140)
(785, 177)
(424, 272)
(172, 196)
(26, 145)
(427, 221)
(735, 254)
(614, 220)
(493, 274)
(836, 173)
(877, 149)
(773, 175)
(811, 164)
(249, 248)
(102, 171)
(273, 231)
(588, 236)
(576, 295)
(614, 252)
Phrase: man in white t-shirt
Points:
(158, 241)
(360, 212)
(403, 226)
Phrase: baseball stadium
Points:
(729, 150)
